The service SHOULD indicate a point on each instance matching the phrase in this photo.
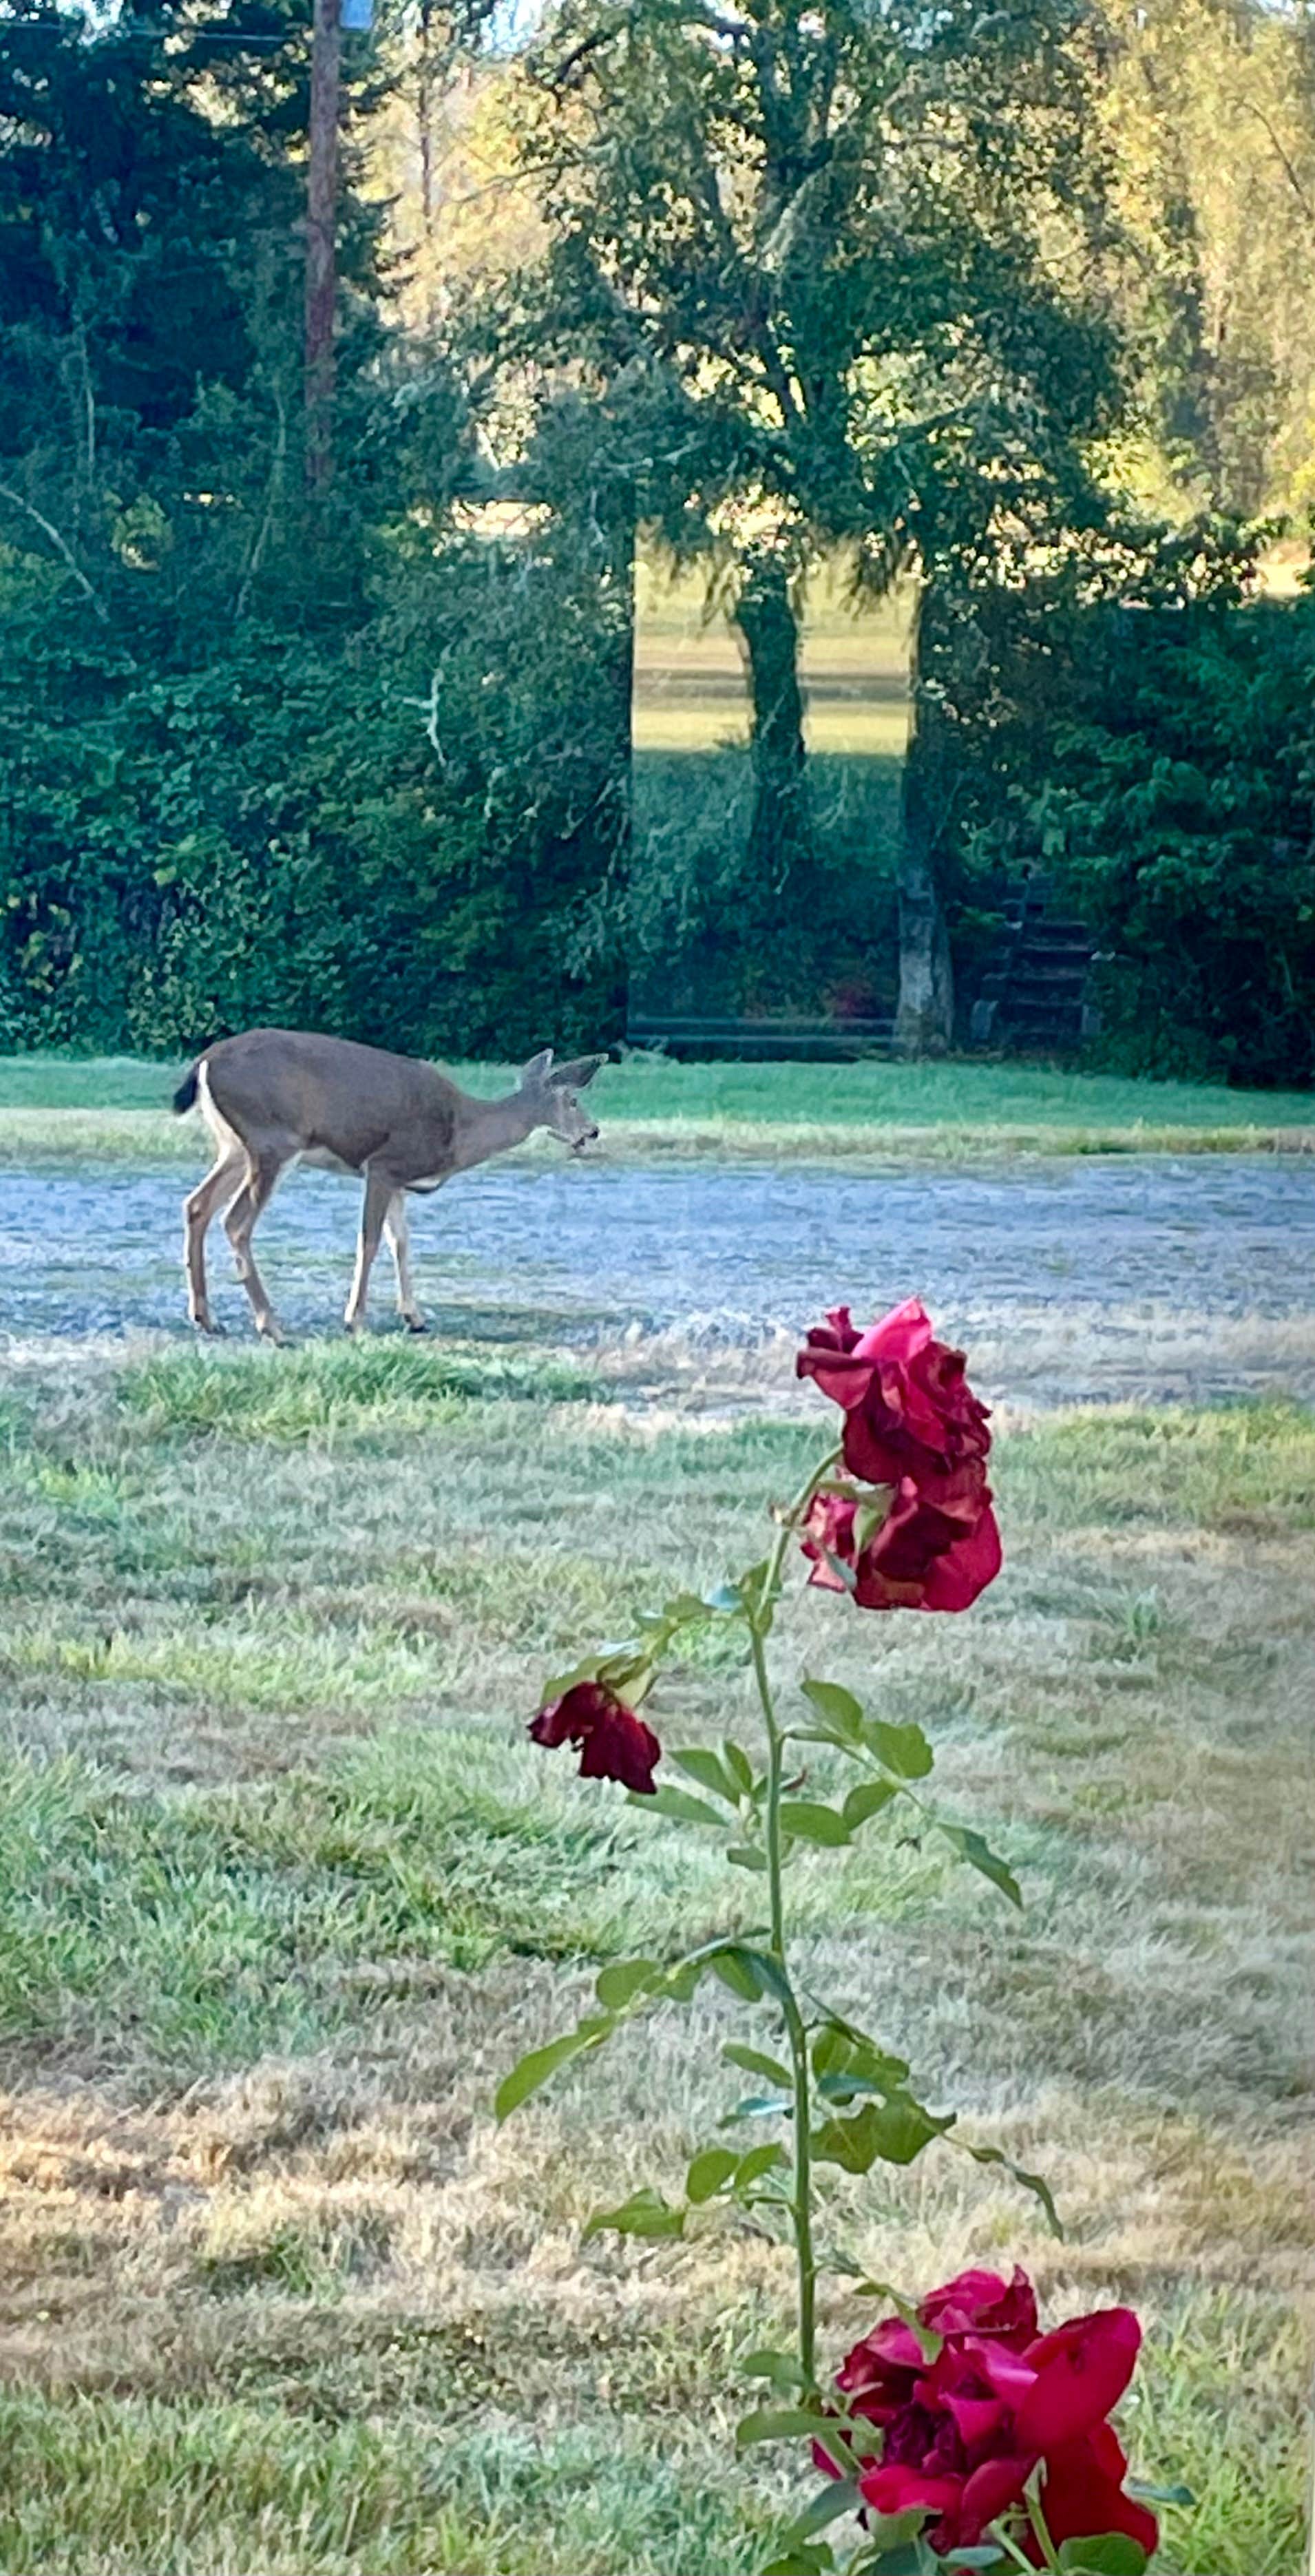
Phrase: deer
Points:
(272, 1098)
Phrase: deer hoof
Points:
(206, 1324)
(415, 1323)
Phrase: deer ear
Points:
(574, 1076)
(537, 1070)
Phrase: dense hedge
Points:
(1159, 760)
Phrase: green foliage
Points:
(1138, 729)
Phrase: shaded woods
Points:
(980, 316)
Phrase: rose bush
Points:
(954, 2427)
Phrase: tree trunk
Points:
(321, 239)
(924, 1019)
(780, 835)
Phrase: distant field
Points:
(55, 1107)
(689, 675)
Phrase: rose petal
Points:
(1081, 2370)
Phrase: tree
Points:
(837, 239)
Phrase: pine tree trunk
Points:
(924, 1019)
(780, 832)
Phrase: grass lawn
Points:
(283, 1890)
(56, 1107)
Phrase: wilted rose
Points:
(908, 1407)
(614, 1743)
(936, 1549)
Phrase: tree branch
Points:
(61, 545)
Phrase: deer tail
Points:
(185, 1095)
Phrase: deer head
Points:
(551, 1089)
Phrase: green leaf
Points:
(699, 1763)
(646, 2213)
(846, 2059)
(531, 2071)
(1035, 2183)
(678, 1804)
(839, 2496)
(903, 1749)
(778, 2424)
(806, 2560)
(866, 1800)
(780, 2367)
(618, 1984)
(1145, 2494)
(749, 1973)
(759, 2161)
(811, 1821)
(681, 1611)
(739, 1766)
(839, 1707)
(911, 2558)
(754, 2062)
(1114, 2553)
(747, 1855)
(984, 2557)
(708, 2172)
(892, 2132)
(971, 1847)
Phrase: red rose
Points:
(981, 2303)
(962, 2433)
(1082, 2492)
(615, 1744)
(909, 1410)
(936, 1549)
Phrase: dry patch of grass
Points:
(283, 1889)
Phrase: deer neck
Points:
(493, 1126)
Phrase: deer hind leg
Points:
(397, 1235)
(379, 1194)
(262, 1173)
(220, 1183)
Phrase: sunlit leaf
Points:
(971, 1847)
(778, 2424)
(699, 1763)
(646, 2213)
(903, 1749)
(617, 1984)
(866, 1800)
(677, 1803)
(839, 1707)
(1145, 2494)
(754, 2062)
(739, 1766)
(1035, 2183)
(892, 2132)
(1114, 2553)
(531, 2071)
(758, 2162)
(809, 1820)
(840, 2495)
(708, 2172)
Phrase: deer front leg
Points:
(397, 1234)
(378, 1195)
